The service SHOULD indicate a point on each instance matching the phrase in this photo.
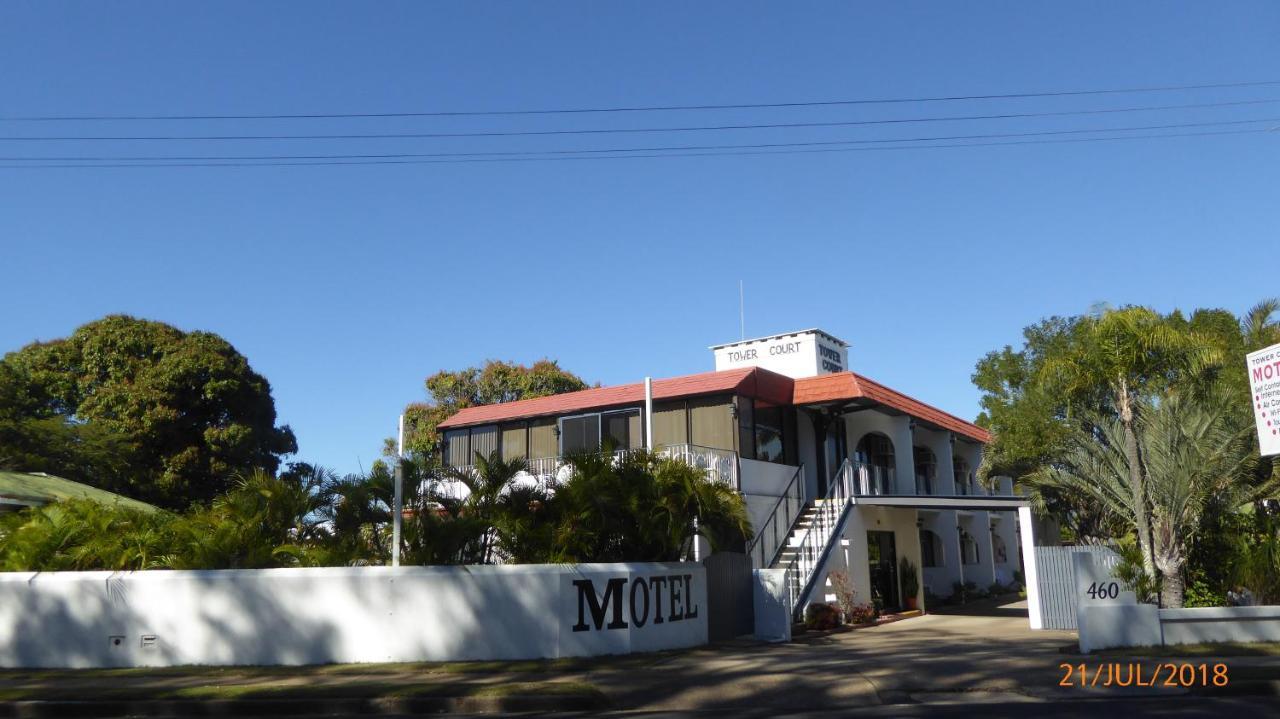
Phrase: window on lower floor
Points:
(998, 549)
(968, 548)
(930, 549)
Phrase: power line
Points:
(663, 148)
(640, 156)
(648, 108)
(611, 131)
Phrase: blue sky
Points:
(347, 285)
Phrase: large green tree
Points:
(1195, 454)
(494, 382)
(139, 407)
(1084, 374)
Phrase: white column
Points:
(397, 513)
(989, 560)
(648, 414)
(1026, 528)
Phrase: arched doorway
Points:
(963, 477)
(876, 463)
(926, 470)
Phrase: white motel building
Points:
(839, 472)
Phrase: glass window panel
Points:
(616, 426)
(580, 434)
(768, 434)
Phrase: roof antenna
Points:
(742, 313)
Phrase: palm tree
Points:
(1127, 354)
(1193, 452)
(640, 506)
(487, 482)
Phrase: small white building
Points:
(839, 472)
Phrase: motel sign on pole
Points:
(1264, 385)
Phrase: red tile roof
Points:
(851, 386)
(747, 381)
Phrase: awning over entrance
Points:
(961, 502)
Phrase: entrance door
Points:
(883, 558)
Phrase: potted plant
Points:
(910, 583)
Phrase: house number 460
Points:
(1109, 590)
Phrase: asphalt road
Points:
(1137, 708)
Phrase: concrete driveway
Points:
(983, 654)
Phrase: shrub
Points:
(821, 615)
(910, 578)
(862, 614)
(966, 592)
(996, 589)
(843, 589)
(1199, 594)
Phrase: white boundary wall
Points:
(348, 614)
(1055, 578)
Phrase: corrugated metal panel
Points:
(1058, 583)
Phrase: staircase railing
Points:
(771, 537)
(812, 549)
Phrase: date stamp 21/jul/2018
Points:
(1138, 674)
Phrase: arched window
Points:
(926, 469)
(998, 549)
(963, 477)
(875, 459)
(930, 549)
(968, 548)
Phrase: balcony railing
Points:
(771, 537)
(872, 479)
(720, 465)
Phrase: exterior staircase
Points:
(800, 530)
(814, 528)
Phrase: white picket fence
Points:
(1058, 585)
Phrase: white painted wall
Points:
(940, 443)
(1006, 528)
(808, 453)
(978, 525)
(344, 614)
(897, 429)
(762, 484)
(850, 554)
(796, 354)
(941, 578)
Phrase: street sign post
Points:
(1264, 386)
